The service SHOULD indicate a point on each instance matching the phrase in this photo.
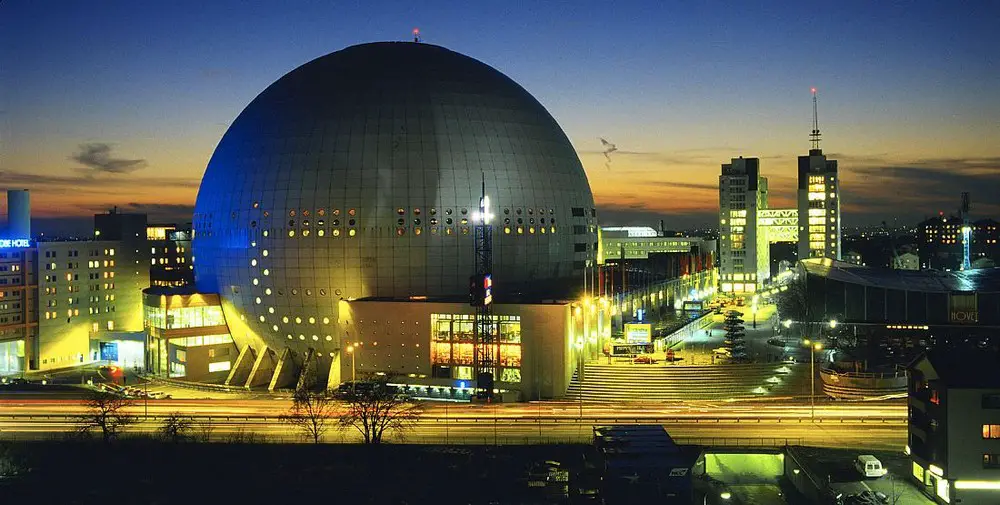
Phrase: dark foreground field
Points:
(149, 472)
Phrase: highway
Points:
(848, 425)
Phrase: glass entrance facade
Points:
(452, 337)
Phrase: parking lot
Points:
(837, 466)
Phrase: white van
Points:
(869, 466)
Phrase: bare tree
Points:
(794, 304)
(376, 408)
(106, 411)
(311, 413)
(205, 430)
(175, 428)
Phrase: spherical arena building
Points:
(357, 175)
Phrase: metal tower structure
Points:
(814, 137)
(485, 351)
(966, 233)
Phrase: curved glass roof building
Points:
(356, 175)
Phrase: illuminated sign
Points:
(487, 289)
(109, 351)
(965, 316)
(8, 243)
(638, 333)
(480, 290)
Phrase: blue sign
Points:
(639, 313)
(10, 243)
(109, 351)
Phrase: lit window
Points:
(291, 233)
(257, 300)
(329, 338)
(315, 337)
(351, 233)
(266, 272)
(256, 281)
(336, 233)
(298, 320)
(312, 320)
(261, 318)
(326, 320)
(991, 431)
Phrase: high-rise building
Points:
(170, 255)
(743, 251)
(819, 206)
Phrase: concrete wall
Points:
(198, 358)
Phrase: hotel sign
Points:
(11, 243)
(963, 308)
(964, 316)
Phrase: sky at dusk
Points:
(122, 102)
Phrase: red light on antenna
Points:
(813, 90)
(416, 31)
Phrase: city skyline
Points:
(121, 107)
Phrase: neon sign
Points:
(8, 243)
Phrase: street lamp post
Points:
(350, 350)
(579, 352)
(813, 347)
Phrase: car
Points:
(869, 466)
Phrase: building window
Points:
(991, 461)
(991, 431)
(935, 397)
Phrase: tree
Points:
(794, 305)
(377, 408)
(311, 413)
(735, 336)
(175, 428)
(106, 411)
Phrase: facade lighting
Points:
(978, 484)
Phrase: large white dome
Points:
(356, 175)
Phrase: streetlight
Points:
(579, 352)
(350, 350)
(833, 323)
(787, 324)
(813, 347)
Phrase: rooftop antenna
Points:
(815, 136)
(416, 34)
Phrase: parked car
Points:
(869, 466)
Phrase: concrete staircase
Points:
(667, 383)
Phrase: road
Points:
(873, 425)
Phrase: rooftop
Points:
(961, 369)
(979, 280)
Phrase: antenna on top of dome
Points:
(416, 34)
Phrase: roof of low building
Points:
(961, 368)
(979, 280)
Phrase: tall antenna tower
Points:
(966, 232)
(814, 137)
(485, 350)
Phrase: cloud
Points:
(96, 156)
(51, 182)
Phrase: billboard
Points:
(109, 351)
(638, 333)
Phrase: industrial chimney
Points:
(18, 213)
